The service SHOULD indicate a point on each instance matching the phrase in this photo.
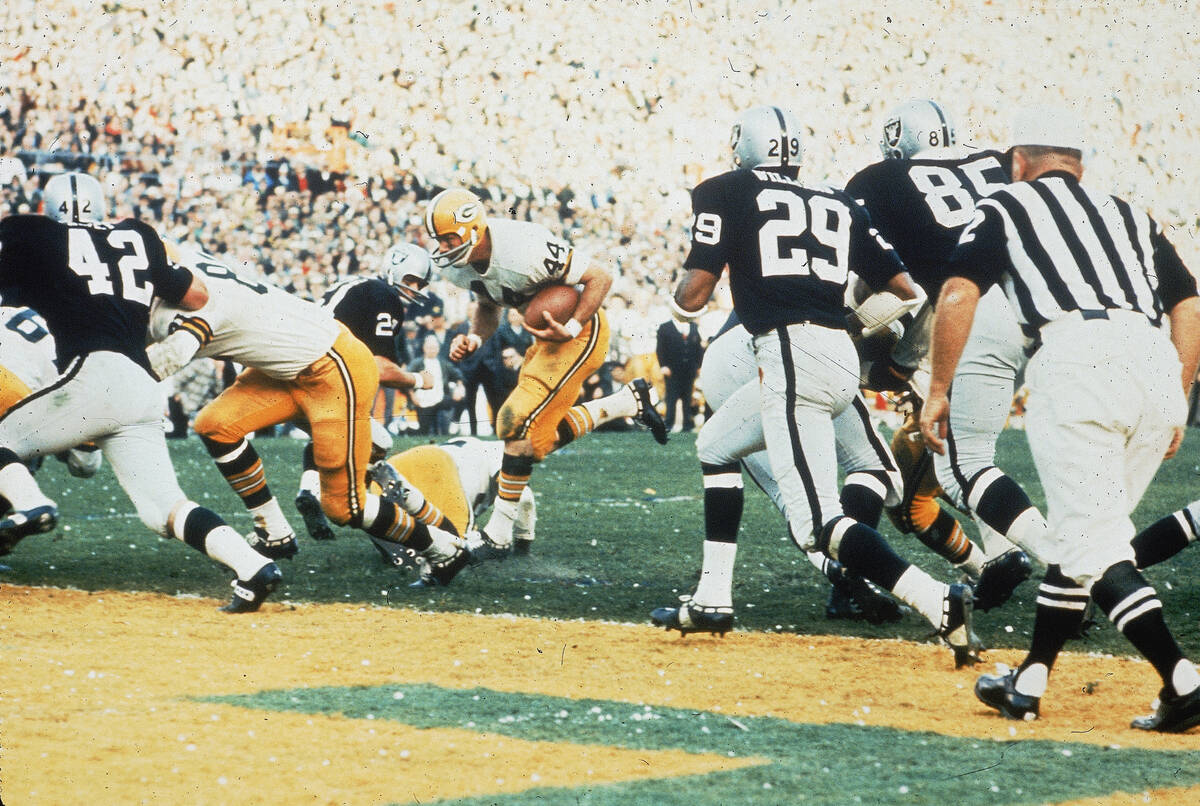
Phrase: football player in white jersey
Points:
(26, 365)
(505, 263)
(300, 364)
(458, 478)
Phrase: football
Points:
(557, 300)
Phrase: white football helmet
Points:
(766, 135)
(916, 126)
(407, 268)
(73, 197)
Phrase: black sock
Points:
(1163, 539)
(724, 498)
(1061, 604)
(1133, 606)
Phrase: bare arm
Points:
(393, 376)
(955, 312)
(1185, 335)
(196, 296)
(484, 322)
(694, 290)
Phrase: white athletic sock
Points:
(1031, 681)
(270, 517)
(621, 403)
(715, 588)
(227, 547)
(310, 481)
(443, 547)
(973, 565)
(18, 486)
(500, 526)
(525, 524)
(1184, 677)
(1029, 530)
(923, 592)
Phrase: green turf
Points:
(619, 532)
(804, 763)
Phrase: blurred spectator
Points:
(679, 353)
(434, 406)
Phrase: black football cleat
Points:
(956, 629)
(482, 547)
(284, 548)
(854, 598)
(521, 547)
(440, 574)
(689, 618)
(1172, 714)
(1000, 577)
(315, 521)
(999, 691)
(647, 415)
(249, 594)
(21, 523)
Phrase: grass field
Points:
(619, 532)
(375, 704)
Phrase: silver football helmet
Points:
(916, 126)
(766, 135)
(73, 197)
(407, 268)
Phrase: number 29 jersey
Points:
(788, 247)
(922, 205)
(91, 282)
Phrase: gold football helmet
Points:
(456, 219)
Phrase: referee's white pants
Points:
(808, 375)
(1104, 398)
(105, 398)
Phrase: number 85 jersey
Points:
(788, 247)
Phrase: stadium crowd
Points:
(302, 142)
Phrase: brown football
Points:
(557, 300)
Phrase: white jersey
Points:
(26, 347)
(478, 463)
(525, 258)
(251, 322)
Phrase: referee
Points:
(1091, 280)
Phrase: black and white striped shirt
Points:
(1056, 248)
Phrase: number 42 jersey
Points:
(91, 282)
(788, 247)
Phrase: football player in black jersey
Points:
(372, 308)
(920, 197)
(92, 283)
(789, 248)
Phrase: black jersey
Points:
(91, 282)
(371, 310)
(788, 247)
(921, 206)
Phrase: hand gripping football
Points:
(557, 300)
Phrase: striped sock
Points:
(578, 422)
(514, 477)
(241, 467)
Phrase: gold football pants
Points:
(549, 384)
(334, 395)
(12, 390)
(432, 471)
